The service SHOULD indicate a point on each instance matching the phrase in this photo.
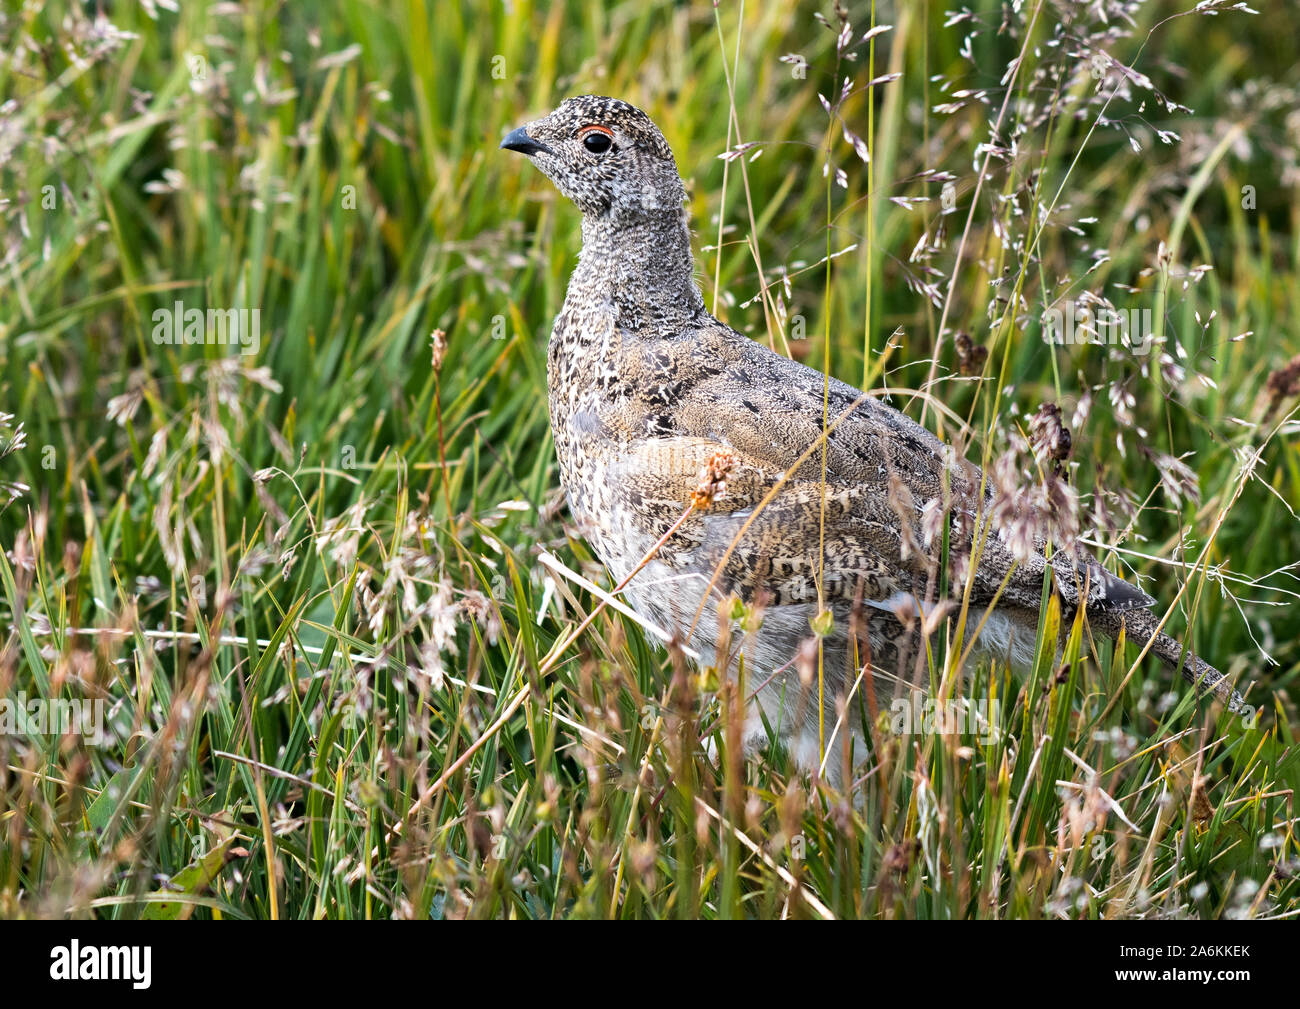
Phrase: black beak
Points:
(518, 140)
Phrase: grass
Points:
(327, 592)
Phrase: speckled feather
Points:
(646, 386)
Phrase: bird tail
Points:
(1140, 627)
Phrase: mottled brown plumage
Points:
(646, 387)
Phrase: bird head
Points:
(606, 156)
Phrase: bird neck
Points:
(643, 265)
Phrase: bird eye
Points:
(596, 139)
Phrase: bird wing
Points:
(716, 391)
(756, 533)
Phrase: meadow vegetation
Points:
(354, 660)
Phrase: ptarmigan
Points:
(648, 391)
